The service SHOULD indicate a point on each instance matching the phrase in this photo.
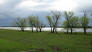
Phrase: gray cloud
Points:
(9, 9)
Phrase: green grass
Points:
(17, 41)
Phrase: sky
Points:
(10, 9)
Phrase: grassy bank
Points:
(17, 41)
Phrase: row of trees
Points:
(32, 21)
(70, 21)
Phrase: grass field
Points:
(17, 41)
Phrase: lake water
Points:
(48, 29)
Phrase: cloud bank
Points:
(13, 8)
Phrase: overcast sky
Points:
(24, 8)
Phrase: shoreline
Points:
(48, 29)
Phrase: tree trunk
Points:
(40, 30)
(22, 29)
(32, 29)
(36, 29)
(71, 30)
(85, 30)
(51, 29)
(55, 30)
(67, 30)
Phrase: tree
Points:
(53, 20)
(68, 16)
(50, 22)
(36, 23)
(65, 25)
(31, 20)
(21, 23)
(74, 22)
(84, 20)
